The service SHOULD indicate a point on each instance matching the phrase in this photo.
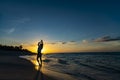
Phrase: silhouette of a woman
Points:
(39, 55)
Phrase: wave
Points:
(46, 60)
(62, 61)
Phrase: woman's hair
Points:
(41, 41)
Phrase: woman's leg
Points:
(37, 58)
(41, 59)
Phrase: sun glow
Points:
(47, 48)
(60, 48)
(43, 50)
(34, 49)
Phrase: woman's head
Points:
(41, 41)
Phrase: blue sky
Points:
(61, 21)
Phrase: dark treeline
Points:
(13, 48)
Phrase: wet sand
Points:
(15, 68)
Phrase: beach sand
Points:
(15, 68)
(42, 72)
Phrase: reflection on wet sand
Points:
(39, 74)
(43, 73)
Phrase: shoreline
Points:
(46, 72)
(15, 68)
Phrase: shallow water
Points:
(83, 66)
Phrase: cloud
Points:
(63, 42)
(71, 42)
(67, 42)
(59, 42)
(22, 20)
(8, 30)
(52, 43)
(85, 41)
(106, 39)
(11, 30)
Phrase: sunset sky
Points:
(63, 25)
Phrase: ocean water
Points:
(84, 66)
